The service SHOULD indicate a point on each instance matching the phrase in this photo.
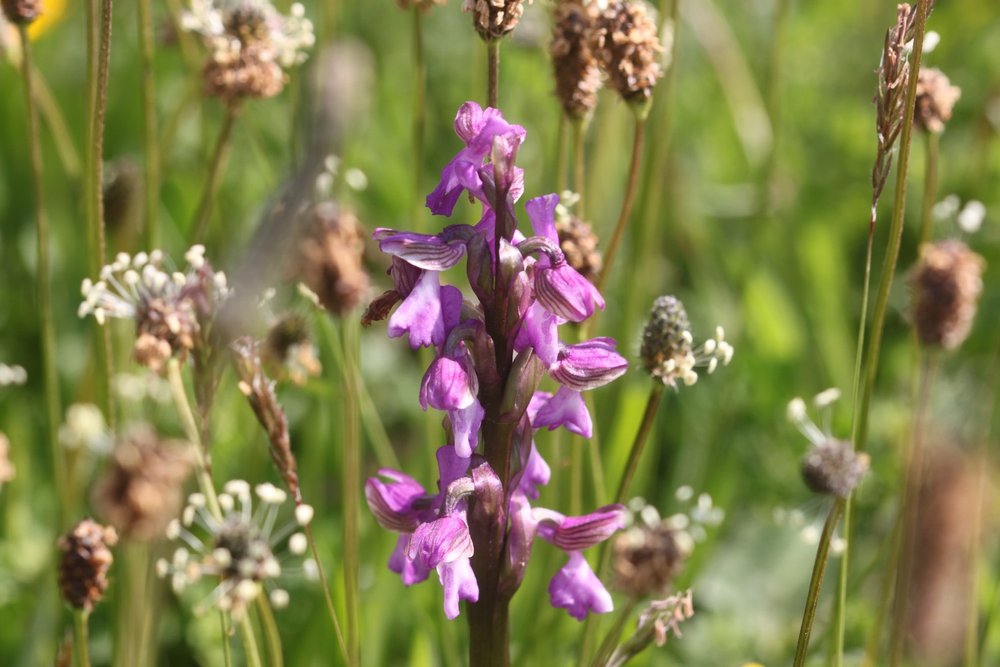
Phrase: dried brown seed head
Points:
(627, 47)
(579, 244)
(833, 467)
(142, 488)
(935, 99)
(946, 286)
(84, 563)
(494, 18)
(577, 75)
(249, 72)
(22, 11)
(330, 258)
(647, 559)
(163, 328)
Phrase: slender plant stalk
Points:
(193, 434)
(44, 284)
(561, 157)
(492, 71)
(351, 487)
(98, 61)
(626, 210)
(895, 233)
(81, 630)
(932, 141)
(816, 582)
(49, 110)
(227, 654)
(218, 161)
(330, 608)
(579, 165)
(419, 107)
(613, 635)
(144, 16)
(249, 643)
(593, 445)
(639, 443)
(272, 638)
(913, 463)
(864, 380)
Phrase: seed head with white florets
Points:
(240, 549)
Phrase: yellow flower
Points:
(53, 12)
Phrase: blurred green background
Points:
(753, 210)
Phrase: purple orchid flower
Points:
(588, 365)
(567, 408)
(428, 312)
(577, 589)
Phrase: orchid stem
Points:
(219, 156)
(626, 210)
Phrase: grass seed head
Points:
(84, 563)
(946, 284)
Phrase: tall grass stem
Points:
(327, 597)
(493, 72)
(151, 147)
(630, 189)
(419, 108)
(81, 632)
(50, 375)
(816, 581)
(580, 165)
(351, 487)
(216, 166)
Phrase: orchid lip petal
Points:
(577, 589)
(588, 365)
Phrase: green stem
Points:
(593, 445)
(351, 488)
(626, 210)
(639, 443)
(82, 632)
(419, 107)
(579, 165)
(614, 634)
(561, 153)
(227, 654)
(98, 60)
(193, 434)
(53, 117)
(331, 610)
(492, 71)
(215, 169)
(144, 17)
(913, 463)
(930, 186)
(816, 582)
(271, 635)
(840, 602)
(895, 233)
(50, 374)
(249, 642)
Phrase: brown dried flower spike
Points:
(494, 18)
(331, 258)
(646, 559)
(580, 244)
(142, 489)
(627, 47)
(22, 11)
(84, 564)
(578, 77)
(946, 286)
(935, 99)
(833, 467)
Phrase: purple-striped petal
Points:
(588, 365)
(575, 533)
(392, 504)
(444, 540)
(423, 251)
(577, 589)
(564, 292)
(447, 385)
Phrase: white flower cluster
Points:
(130, 281)
(12, 375)
(285, 38)
(708, 355)
(238, 549)
(689, 527)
